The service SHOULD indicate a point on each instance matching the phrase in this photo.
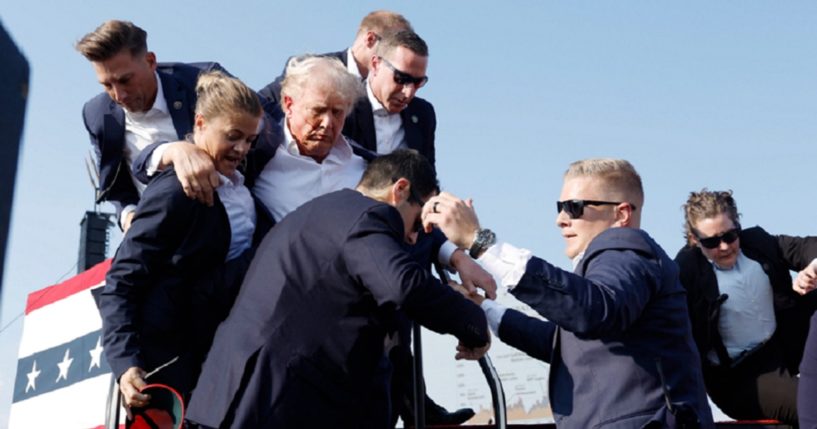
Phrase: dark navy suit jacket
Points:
(169, 285)
(105, 122)
(302, 344)
(618, 338)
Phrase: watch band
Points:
(485, 238)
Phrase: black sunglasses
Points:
(727, 237)
(575, 208)
(403, 78)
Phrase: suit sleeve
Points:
(140, 164)
(121, 192)
(616, 287)
(161, 219)
(798, 252)
(377, 260)
(529, 334)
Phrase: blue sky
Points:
(717, 94)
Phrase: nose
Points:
(409, 90)
(119, 93)
(325, 120)
(722, 246)
(562, 219)
(242, 148)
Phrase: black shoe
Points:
(437, 415)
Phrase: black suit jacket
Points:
(419, 124)
(105, 122)
(302, 343)
(777, 255)
(169, 285)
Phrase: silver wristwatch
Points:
(485, 238)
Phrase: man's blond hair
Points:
(381, 21)
(618, 175)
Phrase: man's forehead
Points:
(321, 96)
(584, 188)
(116, 67)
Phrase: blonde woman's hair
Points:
(219, 94)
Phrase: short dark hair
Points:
(405, 38)
(409, 164)
(111, 38)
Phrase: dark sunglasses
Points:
(727, 237)
(575, 208)
(403, 78)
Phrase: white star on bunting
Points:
(32, 377)
(64, 365)
(96, 354)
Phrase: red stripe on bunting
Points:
(82, 281)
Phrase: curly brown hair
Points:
(707, 204)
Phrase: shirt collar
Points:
(351, 64)
(236, 179)
(577, 260)
(377, 106)
(735, 268)
(159, 103)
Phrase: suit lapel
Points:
(113, 130)
(178, 104)
(413, 136)
(363, 119)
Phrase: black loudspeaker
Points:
(93, 239)
(13, 95)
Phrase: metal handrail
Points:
(488, 370)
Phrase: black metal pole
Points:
(488, 370)
(419, 381)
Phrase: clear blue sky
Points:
(718, 94)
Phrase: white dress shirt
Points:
(747, 317)
(507, 264)
(388, 127)
(240, 208)
(143, 129)
(290, 179)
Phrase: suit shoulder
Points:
(165, 186)
(421, 105)
(94, 110)
(624, 239)
(756, 235)
(97, 105)
(687, 255)
(188, 71)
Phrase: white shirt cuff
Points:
(493, 312)
(155, 160)
(130, 208)
(506, 262)
(446, 250)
